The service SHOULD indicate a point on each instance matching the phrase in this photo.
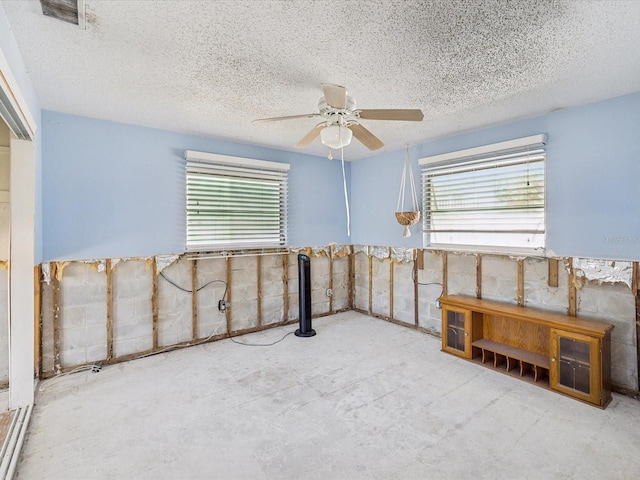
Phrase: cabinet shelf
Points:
(568, 355)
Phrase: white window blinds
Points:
(235, 202)
(491, 196)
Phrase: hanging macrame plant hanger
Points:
(411, 217)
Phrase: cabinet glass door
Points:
(574, 365)
(455, 335)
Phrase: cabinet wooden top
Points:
(551, 319)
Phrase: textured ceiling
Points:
(211, 67)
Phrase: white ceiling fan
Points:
(341, 120)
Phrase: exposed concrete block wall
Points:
(461, 274)
(320, 282)
(430, 317)
(83, 315)
(271, 289)
(174, 305)
(538, 293)
(403, 293)
(614, 303)
(340, 283)
(210, 321)
(499, 279)
(244, 292)
(4, 325)
(270, 284)
(380, 286)
(361, 287)
(294, 306)
(46, 320)
(132, 313)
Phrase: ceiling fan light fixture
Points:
(336, 136)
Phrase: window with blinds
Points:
(235, 202)
(490, 196)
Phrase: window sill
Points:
(499, 251)
(235, 252)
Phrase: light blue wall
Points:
(114, 190)
(10, 51)
(593, 180)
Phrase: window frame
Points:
(485, 152)
(203, 165)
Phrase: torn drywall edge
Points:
(164, 261)
(46, 273)
(321, 251)
(59, 269)
(603, 271)
(361, 249)
(402, 254)
(340, 251)
(95, 265)
(379, 252)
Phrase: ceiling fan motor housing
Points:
(340, 116)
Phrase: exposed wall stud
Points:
(352, 279)
(285, 286)
(391, 288)
(55, 285)
(194, 299)
(109, 273)
(416, 301)
(37, 313)
(553, 271)
(521, 283)
(331, 282)
(228, 309)
(370, 284)
(259, 289)
(154, 302)
(636, 292)
(572, 310)
(444, 274)
(478, 275)
(419, 258)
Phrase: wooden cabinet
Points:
(456, 331)
(567, 354)
(576, 365)
(459, 331)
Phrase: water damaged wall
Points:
(116, 309)
(112, 310)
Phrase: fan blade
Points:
(392, 114)
(367, 138)
(335, 95)
(275, 119)
(311, 136)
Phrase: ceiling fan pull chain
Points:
(346, 196)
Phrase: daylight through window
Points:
(235, 202)
(491, 196)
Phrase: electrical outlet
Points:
(329, 292)
(438, 304)
(222, 306)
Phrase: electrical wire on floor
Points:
(258, 344)
(96, 367)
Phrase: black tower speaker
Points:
(304, 297)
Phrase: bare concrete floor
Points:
(362, 399)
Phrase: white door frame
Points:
(22, 242)
(21, 275)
